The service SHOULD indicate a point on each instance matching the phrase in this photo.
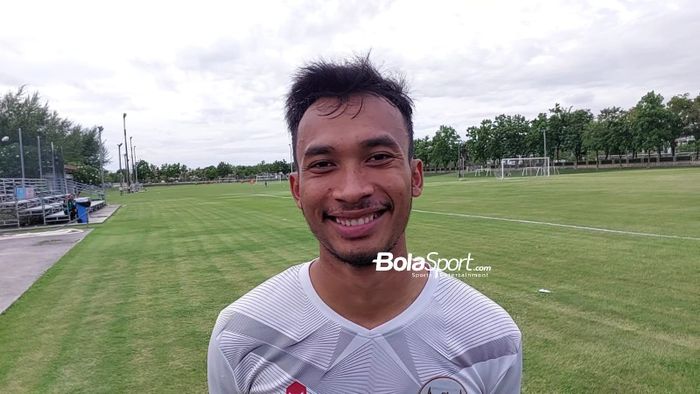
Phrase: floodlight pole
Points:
(21, 155)
(131, 150)
(119, 154)
(102, 159)
(38, 149)
(136, 164)
(126, 163)
(291, 159)
(53, 168)
(133, 161)
(545, 149)
(41, 176)
(65, 182)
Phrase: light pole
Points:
(136, 164)
(21, 156)
(53, 168)
(126, 150)
(41, 177)
(291, 159)
(121, 181)
(131, 149)
(38, 149)
(102, 159)
(546, 158)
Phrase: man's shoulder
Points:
(277, 305)
(472, 321)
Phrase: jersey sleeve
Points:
(510, 381)
(220, 376)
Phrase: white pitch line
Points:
(603, 230)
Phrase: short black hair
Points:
(322, 79)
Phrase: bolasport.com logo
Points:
(465, 267)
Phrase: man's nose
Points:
(353, 186)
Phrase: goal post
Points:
(268, 177)
(524, 166)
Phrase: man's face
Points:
(355, 181)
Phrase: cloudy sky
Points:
(204, 81)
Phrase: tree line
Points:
(652, 126)
(74, 144)
(177, 172)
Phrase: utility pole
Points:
(546, 158)
(126, 150)
(121, 181)
(133, 161)
(41, 176)
(21, 157)
(38, 149)
(53, 168)
(102, 159)
(136, 164)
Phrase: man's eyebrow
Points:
(384, 141)
(315, 150)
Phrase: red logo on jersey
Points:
(296, 388)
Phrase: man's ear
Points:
(294, 187)
(416, 177)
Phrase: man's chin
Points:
(358, 260)
(361, 259)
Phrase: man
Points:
(336, 324)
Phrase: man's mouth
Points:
(359, 221)
(352, 219)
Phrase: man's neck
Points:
(363, 295)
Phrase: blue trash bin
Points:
(83, 207)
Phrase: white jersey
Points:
(282, 338)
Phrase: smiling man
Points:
(335, 324)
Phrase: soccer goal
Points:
(269, 177)
(524, 166)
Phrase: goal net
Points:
(268, 177)
(524, 166)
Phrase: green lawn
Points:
(131, 307)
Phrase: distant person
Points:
(336, 324)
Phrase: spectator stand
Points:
(31, 201)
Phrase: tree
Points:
(223, 169)
(480, 142)
(556, 130)
(422, 148)
(510, 133)
(147, 172)
(658, 126)
(278, 166)
(445, 146)
(687, 111)
(576, 123)
(87, 174)
(614, 134)
(594, 139)
(210, 173)
(20, 110)
(535, 138)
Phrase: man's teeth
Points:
(356, 222)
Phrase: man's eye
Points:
(321, 164)
(380, 157)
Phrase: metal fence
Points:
(28, 201)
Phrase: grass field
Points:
(131, 307)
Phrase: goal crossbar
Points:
(525, 166)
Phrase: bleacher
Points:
(35, 201)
